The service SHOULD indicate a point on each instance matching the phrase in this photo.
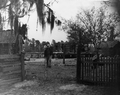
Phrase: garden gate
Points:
(105, 73)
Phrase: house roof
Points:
(107, 44)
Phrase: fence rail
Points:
(104, 71)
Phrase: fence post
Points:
(78, 72)
(118, 60)
(22, 66)
(63, 50)
(63, 53)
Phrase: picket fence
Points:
(104, 71)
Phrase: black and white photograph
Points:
(59, 47)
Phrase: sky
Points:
(63, 9)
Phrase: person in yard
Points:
(20, 38)
(48, 54)
(19, 43)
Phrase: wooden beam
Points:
(22, 66)
(78, 68)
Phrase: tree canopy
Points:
(96, 25)
(16, 9)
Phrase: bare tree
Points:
(96, 23)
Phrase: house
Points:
(11, 64)
(7, 41)
(109, 48)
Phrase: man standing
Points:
(48, 55)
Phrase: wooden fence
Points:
(35, 54)
(105, 71)
(11, 69)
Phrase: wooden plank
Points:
(109, 72)
(116, 72)
(2, 81)
(93, 75)
(85, 69)
(103, 62)
(82, 71)
(112, 70)
(9, 60)
(101, 75)
(7, 74)
(11, 72)
(96, 76)
(118, 75)
(104, 74)
(89, 68)
(8, 64)
(11, 76)
(8, 56)
(8, 82)
(22, 66)
(12, 68)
